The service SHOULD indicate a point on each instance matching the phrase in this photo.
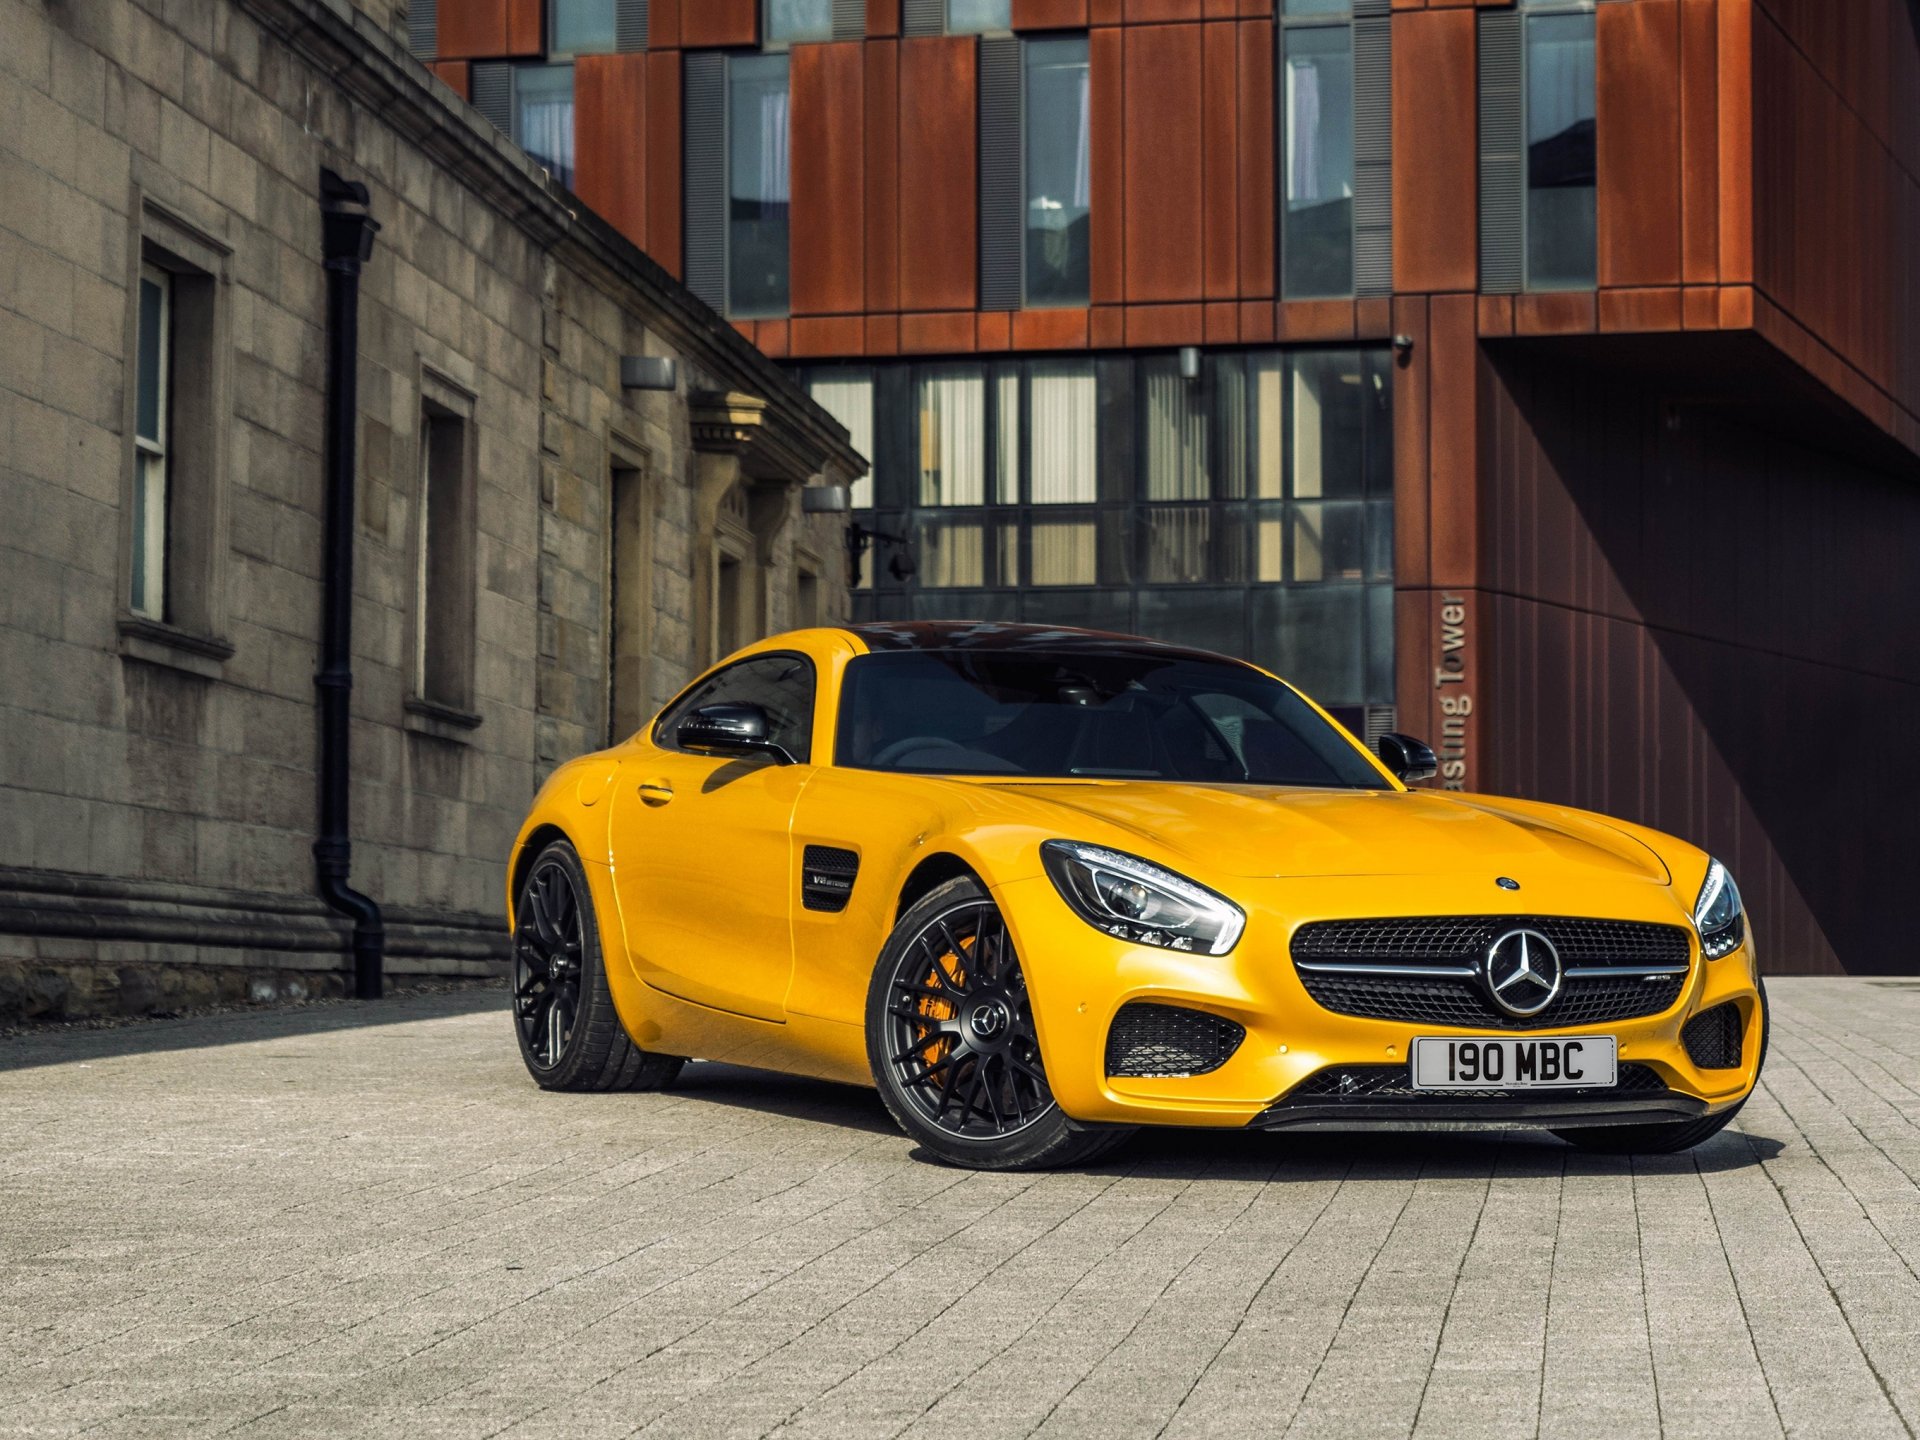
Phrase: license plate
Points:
(1484, 1063)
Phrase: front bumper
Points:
(1079, 980)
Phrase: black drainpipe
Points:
(347, 243)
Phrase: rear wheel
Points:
(952, 1044)
(1668, 1136)
(570, 1036)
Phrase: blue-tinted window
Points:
(543, 116)
(758, 198)
(1059, 175)
(1561, 111)
(975, 17)
(1316, 240)
(790, 20)
(580, 27)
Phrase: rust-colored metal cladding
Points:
(1107, 162)
(663, 164)
(882, 177)
(1637, 63)
(1220, 145)
(828, 170)
(1436, 202)
(1699, 142)
(1049, 14)
(1256, 158)
(939, 174)
(489, 29)
(453, 74)
(953, 860)
(714, 23)
(663, 24)
(610, 128)
(1165, 163)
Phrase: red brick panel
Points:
(1256, 159)
(1106, 224)
(1436, 206)
(610, 140)
(713, 23)
(1165, 156)
(489, 29)
(882, 93)
(939, 177)
(662, 139)
(1220, 132)
(1049, 14)
(1637, 53)
(829, 180)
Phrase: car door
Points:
(702, 846)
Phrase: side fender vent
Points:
(826, 877)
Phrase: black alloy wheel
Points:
(952, 1042)
(548, 952)
(571, 1037)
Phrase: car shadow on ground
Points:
(1245, 1154)
(56, 1043)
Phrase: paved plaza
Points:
(365, 1220)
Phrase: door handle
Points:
(655, 792)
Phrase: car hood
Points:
(1250, 831)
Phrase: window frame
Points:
(1028, 45)
(448, 695)
(147, 588)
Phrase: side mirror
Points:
(1408, 758)
(737, 729)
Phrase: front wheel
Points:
(570, 1036)
(952, 1043)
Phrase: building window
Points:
(582, 27)
(174, 537)
(846, 393)
(629, 600)
(1248, 510)
(444, 553)
(978, 17)
(786, 21)
(543, 116)
(1317, 169)
(1560, 162)
(154, 385)
(758, 197)
(1058, 172)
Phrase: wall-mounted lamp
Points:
(1403, 346)
(860, 539)
(649, 372)
(1189, 362)
(826, 500)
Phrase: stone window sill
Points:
(442, 722)
(158, 643)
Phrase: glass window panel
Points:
(153, 299)
(1063, 433)
(1088, 609)
(1380, 539)
(148, 581)
(1191, 544)
(1175, 458)
(1270, 544)
(1064, 552)
(1267, 384)
(964, 605)
(1059, 175)
(953, 432)
(1316, 7)
(847, 395)
(543, 116)
(789, 20)
(1379, 645)
(782, 685)
(1376, 387)
(1205, 619)
(1007, 419)
(1314, 636)
(1561, 239)
(580, 27)
(1329, 542)
(972, 17)
(1328, 418)
(1316, 244)
(950, 553)
(758, 203)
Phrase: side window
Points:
(782, 685)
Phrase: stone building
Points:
(541, 554)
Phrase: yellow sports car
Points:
(1040, 886)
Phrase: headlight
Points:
(1718, 915)
(1137, 900)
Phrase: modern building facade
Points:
(1542, 376)
(543, 551)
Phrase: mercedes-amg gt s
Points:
(1040, 886)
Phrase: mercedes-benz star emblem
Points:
(1507, 883)
(1522, 973)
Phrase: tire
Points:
(560, 988)
(1669, 1136)
(952, 1045)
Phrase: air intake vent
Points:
(1151, 1039)
(1713, 1037)
(826, 877)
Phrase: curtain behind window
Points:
(1063, 444)
(953, 432)
(543, 99)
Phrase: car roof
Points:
(1031, 639)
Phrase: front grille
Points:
(1148, 1039)
(1461, 942)
(1713, 1037)
(1392, 1082)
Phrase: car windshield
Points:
(1114, 716)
